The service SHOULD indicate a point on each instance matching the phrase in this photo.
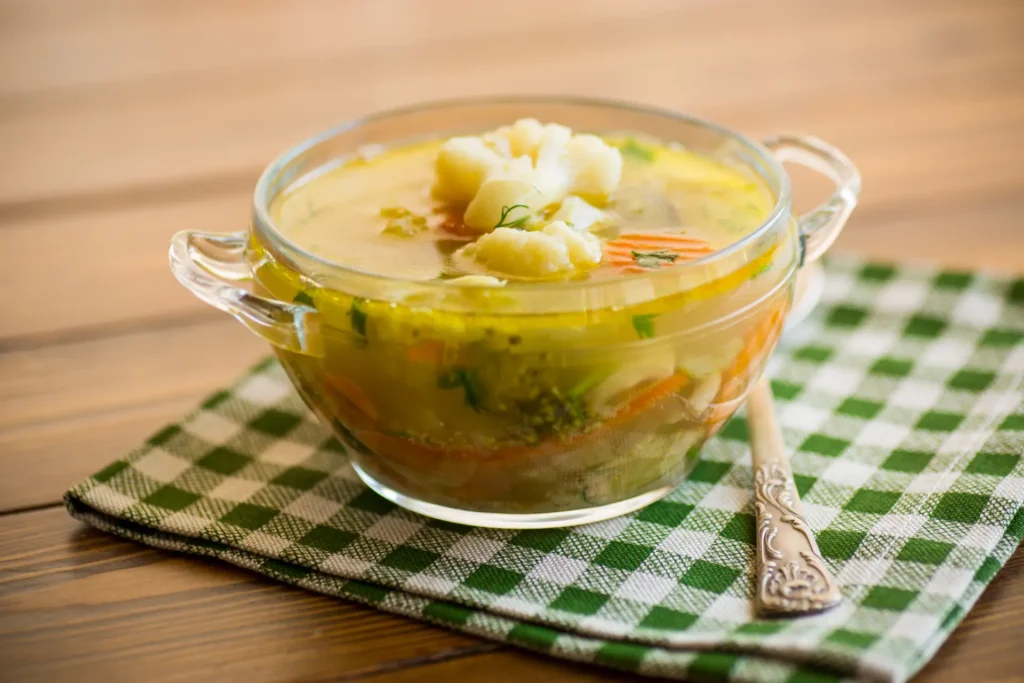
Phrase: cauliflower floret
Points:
(552, 144)
(499, 143)
(584, 249)
(462, 165)
(578, 214)
(596, 165)
(555, 250)
(527, 164)
(521, 253)
(524, 137)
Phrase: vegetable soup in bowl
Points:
(525, 312)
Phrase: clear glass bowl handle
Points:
(820, 227)
(211, 266)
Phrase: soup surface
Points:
(381, 213)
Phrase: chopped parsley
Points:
(357, 314)
(303, 298)
(644, 325)
(632, 148)
(467, 380)
(764, 268)
(654, 259)
(503, 222)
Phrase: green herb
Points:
(517, 223)
(394, 212)
(761, 271)
(466, 378)
(632, 148)
(654, 259)
(586, 385)
(304, 299)
(405, 225)
(578, 407)
(644, 325)
(357, 314)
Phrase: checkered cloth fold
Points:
(900, 397)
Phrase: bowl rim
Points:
(262, 199)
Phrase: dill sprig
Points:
(517, 223)
(654, 259)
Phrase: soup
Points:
(379, 213)
(458, 398)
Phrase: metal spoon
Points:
(792, 579)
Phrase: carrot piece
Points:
(352, 393)
(661, 238)
(430, 351)
(736, 378)
(649, 398)
(622, 252)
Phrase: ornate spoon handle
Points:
(791, 576)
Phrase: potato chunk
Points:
(518, 187)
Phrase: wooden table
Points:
(122, 121)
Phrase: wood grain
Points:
(66, 409)
(123, 121)
(55, 382)
(119, 258)
(39, 462)
(186, 123)
(78, 604)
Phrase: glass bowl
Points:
(532, 405)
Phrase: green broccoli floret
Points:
(552, 412)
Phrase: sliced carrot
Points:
(649, 398)
(352, 393)
(621, 252)
(430, 351)
(651, 238)
(758, 341)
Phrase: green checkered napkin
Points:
(901, 398)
